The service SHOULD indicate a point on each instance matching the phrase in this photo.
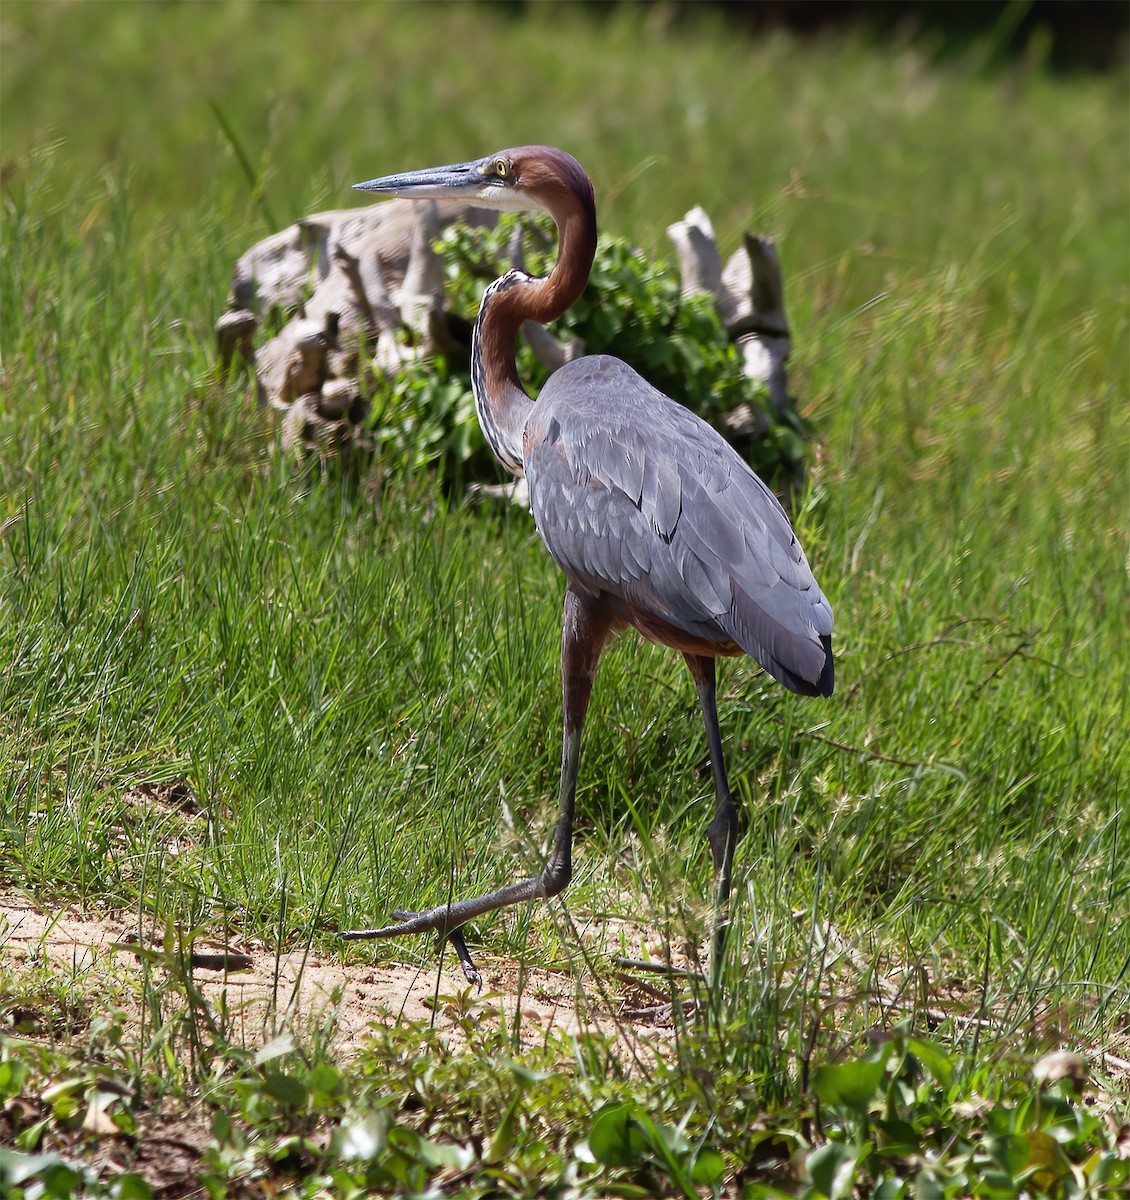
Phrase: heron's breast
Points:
(656, 629)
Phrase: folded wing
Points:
(641, 502)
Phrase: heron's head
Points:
(511, 180)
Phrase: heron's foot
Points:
(429, 920)
(454, 936)
(406, 922)
(470, 971)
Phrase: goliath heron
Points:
(655, 520)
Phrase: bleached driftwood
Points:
(279, 271)
(346, 281)
(363, 290)
(749, 297)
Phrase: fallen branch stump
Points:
(358, 295)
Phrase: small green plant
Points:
(425, 414)
(660, 1159)
(410, 1115)
(897, 1124)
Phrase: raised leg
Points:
(722, 832)
(585, 630)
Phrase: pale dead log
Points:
(366, 277)
(295, 364)
(551, 351)
(420, 299)
(339, 399)
(297, 359)
(754, 278)
(328, 419)
(234, 332)
(700, 265)
(760, 327)
(377, 284)
(378, 313)
(334, 268)
(749, 297)
(302, 428)
(368, 308)
(517, 492)
(279, 271)
(420, 295)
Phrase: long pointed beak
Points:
(458, 181)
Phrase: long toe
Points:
(470, 973)
(407, 922)
(360, 935)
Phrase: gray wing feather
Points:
(638, 499)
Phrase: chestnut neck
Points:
(502, 403)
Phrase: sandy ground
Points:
(62, 969)
(264, 993)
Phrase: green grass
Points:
(353, 677)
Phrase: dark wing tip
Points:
(824, 685)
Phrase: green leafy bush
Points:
(425, 415)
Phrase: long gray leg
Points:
(722, 832)
(585, 630)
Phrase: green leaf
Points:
(927, 1187)
(527, 1076)
(438, 1156)
(285, 1147)
(364, 1139)
(616, 1137)
(222, 1127)
(933, 1058)
(16, 1168)
(899, 1137)
(286, 1089)
(832, 1169)
(1107, 1169)
(12, 1075)
(1047, 1163)
(502, 1141)
(63, 1089)
(130, 1187)
(850, 1084)
(60, 1180)
(708, 1168)
(276, 1048)
(1009, 1151)
(325, 1080)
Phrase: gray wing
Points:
(640, 501)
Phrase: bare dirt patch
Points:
(94, 959)
(62, 969)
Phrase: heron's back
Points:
(643, 504)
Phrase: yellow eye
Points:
(501, 168)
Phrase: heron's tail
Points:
(823, 686)
(785, 644)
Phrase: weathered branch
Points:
(749, 296)
(362, 290)
(699, 261)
